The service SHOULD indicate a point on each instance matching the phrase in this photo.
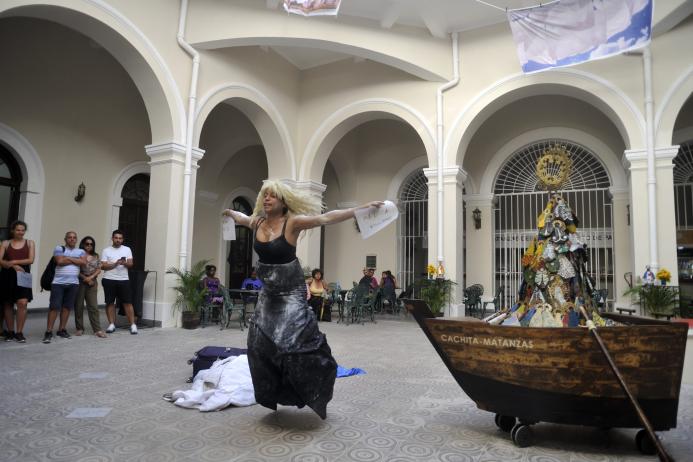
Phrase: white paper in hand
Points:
(228, 227)
(24, 279)
(373, 219)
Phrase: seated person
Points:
(368, 281)
(212, 283)
(318, 296)
(252, 282)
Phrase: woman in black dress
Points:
(290, 360)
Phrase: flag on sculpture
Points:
(574, 31)
(312, 7)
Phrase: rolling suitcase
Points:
(205, 357)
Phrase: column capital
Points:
(451, 175)
(475, 200)
(313, 187)
(172, 152)
(636, 159)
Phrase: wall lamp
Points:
(476, 214)
(81, 191)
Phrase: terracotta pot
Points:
(190, 320)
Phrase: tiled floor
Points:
(407, 407)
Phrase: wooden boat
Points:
(559, 375)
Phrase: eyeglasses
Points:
(89, 243)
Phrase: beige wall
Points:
(361, 167)
(84, 117)
(77, 105)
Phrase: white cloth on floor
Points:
(226, 383)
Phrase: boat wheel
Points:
(644, 443)
(521, 435)
(505, 422)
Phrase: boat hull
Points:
(561, 375)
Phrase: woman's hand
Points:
(18, 268)
(239, 217)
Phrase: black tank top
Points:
(277, 251)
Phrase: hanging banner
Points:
(312, 7)
(373, 219)
(575, 31)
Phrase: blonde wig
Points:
(297, 202)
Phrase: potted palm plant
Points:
(436, 293)
(190, 294)
(656, 300)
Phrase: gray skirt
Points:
(290, 360)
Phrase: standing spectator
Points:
(115, 262)
(16, 256)
(318, 296)
(68, 259)
(388, 283)
(88, 289)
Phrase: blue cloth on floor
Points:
(344, 372)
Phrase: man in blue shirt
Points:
(68, 259)
(252, 283)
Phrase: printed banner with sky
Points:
(312, 7)
(574, 31)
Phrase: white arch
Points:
(130, 47)
(401, 176)
(609, 159)
(247, 194)
(611, 101)
(125, 174)
(671, 105)
(32, 188)
(263, 114)
(345, 119)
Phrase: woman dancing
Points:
(290, 360)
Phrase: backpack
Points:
(49, 273)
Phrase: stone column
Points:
(480, 242)
(453, 227)
(636, 160)
(622, 243)
(308, 246)
(164, 218)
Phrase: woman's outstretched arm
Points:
(302, 222)
(239, 218)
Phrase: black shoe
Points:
(19, 337)
(47, 337)
(5, 333)
(63, 333)
(9, 336)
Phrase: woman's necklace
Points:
(272, 232)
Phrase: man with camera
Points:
(115, 262)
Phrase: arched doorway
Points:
(412, 229)
(10, 182)
(240, 258)
(683, 201)
(133, 217)
(519, 201)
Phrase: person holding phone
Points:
(115, 263)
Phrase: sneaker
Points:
(111, 329)
(133, 329)
(19, 337)
(9, 336)
(5, 333)
(63, 333)
(47, 337)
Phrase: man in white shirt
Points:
(115, 262)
